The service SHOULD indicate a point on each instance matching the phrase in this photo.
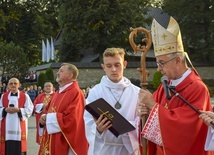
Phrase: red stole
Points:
(41, 98)
(21, 102)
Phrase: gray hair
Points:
(180, 54)
(72, 68)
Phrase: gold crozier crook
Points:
(144, 73)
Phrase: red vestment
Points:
(69, 107)
(21, 101)
(41, 98)
(182, 132)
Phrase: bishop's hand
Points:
(146, 99)
(207, 117)
(142, 110)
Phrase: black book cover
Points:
(119, 124)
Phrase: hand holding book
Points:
(102, 108)
(103, 123)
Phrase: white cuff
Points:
(39, 107)
(209, 144)
(52, 123)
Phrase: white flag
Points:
(52, 49)
(44, 57)
(48, 51)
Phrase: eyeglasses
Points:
(13, 83)
(161, 64)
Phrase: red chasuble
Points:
(182, 132)
(21, 101)
(69, 107)
(41, 98)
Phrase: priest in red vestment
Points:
(15, 108)
(40, 103)
(63, 124)
(173, 127)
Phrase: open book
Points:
(119, 124)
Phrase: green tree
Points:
(42, 78)
(97, 24)
(50, 74)
(197, 26)
(26, 23)
(13, 60)
(156, 80)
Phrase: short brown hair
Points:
(111, 52)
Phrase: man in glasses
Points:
(15, 108)
(176, 128)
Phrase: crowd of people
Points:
(65, 127)
(31, 77)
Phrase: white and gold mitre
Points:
(166, 41)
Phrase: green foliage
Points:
(26, 23)
(156, 81)
(50, 74)
(211, 90)
(97, 24)
(197, 26)
(13, 60)
(42, 78)
(210, 85)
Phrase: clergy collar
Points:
(13, 93)
(64, 87)
(178, 81)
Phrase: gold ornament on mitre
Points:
(169, 40)
(166, 41)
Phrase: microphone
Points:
(166, 87)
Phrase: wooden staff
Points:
(144, 73)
